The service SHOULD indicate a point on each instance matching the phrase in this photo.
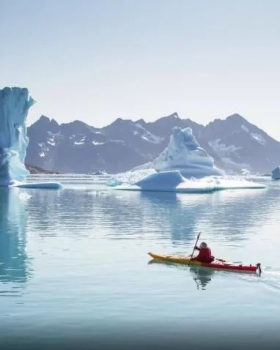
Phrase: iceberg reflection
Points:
(13, 257)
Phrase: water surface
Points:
(74, 269)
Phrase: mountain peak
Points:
(44, 119)
(236, 117)
(46, 123)
(174, 115)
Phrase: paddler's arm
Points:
(196, 248)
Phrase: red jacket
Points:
(204, 255)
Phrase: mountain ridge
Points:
(234, 143)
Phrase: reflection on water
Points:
(173, 215)
(178, 217)
(182, 216)
(89, 263)
(201, 276)
(13, 257)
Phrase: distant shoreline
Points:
(37, 170)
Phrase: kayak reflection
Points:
(201, 276)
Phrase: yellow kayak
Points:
(216, 264)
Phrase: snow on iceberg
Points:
(166, 181)
(173, 181)
(183, 153)
(182, 167)
(14, 105)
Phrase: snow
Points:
(44, 148)
(148, 136)
(221, 149)
(244, 128)
(51, 142)
(185, 154)
(225, 153)
(173, 181)
(14, 105)
(258, 138)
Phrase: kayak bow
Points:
(216, 264)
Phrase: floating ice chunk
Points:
(161, 181)
(276, 173)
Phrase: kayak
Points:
(220, 264)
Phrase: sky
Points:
(99, 60)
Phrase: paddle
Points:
(197, 238)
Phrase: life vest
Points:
(204, 255)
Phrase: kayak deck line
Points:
(220, 264)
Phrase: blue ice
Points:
(14, 105)
(276, 173)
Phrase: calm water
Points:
(74, 269)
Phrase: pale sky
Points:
(98, 60)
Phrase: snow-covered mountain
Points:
(233, 143)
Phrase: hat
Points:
(203, 245)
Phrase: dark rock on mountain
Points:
(36, 170)
(234, 143)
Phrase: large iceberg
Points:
(183, 166)
(14, 105)
(183, 153)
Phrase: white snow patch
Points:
(44, 148)
(244, 128)
(51, 142)
(42, 154)
(81, 142)
(148, 136)
(229, 161)
(103, 143)
(221, 149)
(258, 138)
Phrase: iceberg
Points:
(276, 173)
(183, 167)
(183, 153)
(14, 105)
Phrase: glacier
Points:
(14, 106)
(183, 166)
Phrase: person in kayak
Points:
(204, 254)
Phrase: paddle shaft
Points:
(197, 238)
